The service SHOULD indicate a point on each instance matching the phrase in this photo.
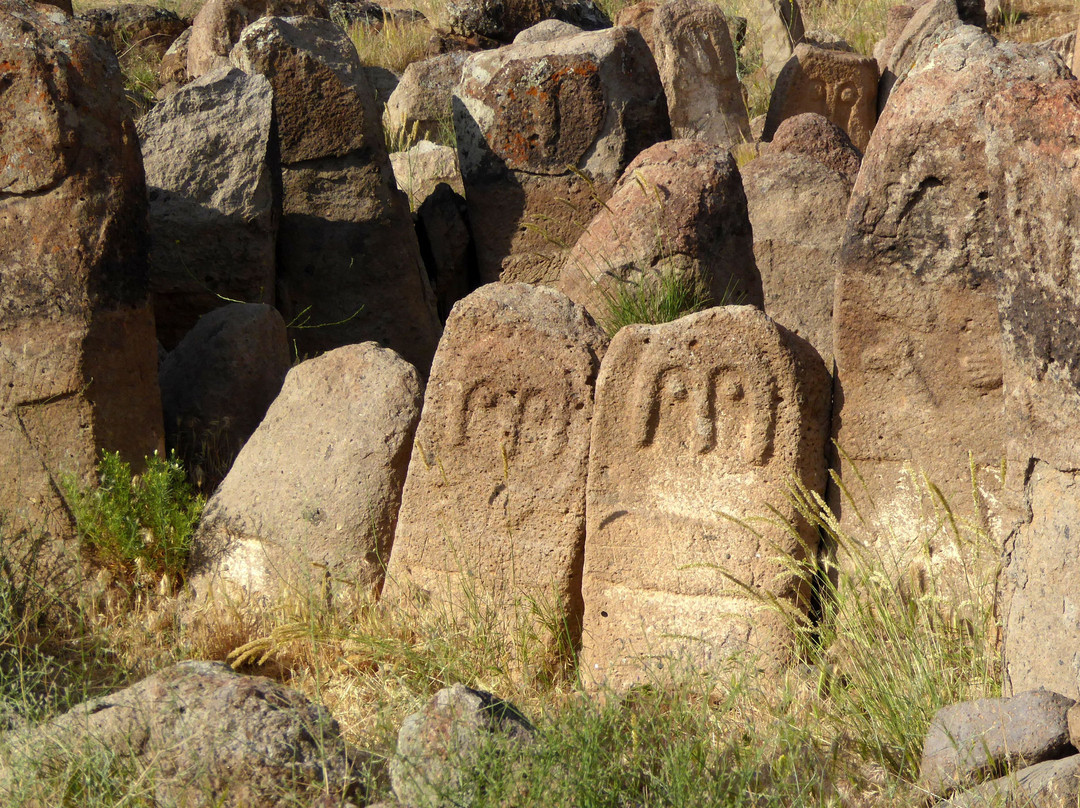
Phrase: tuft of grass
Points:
(393, 44)
(653, 298)
(142, 524)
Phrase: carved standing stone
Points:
(78, 358)
(917, 339)
(708, 416)
(544, 131)
(840, 86)
(494, 506)
(697, 65)
(780, 26)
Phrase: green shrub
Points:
(142, 524)
(652, 299)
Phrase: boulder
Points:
(1050, 784)
(546, 30)
(838, 85)
(797, 207)
(133, 26)
(206, 736)
(502, 20)
(970, 741)
(913, 32)
(78, 356)
(420, 106)
(312, 498)
(442, 226)
(679, 210)
(917, 337)
(817, 137)
(217, 384)
(493, 514)
(544, 131)
(214, 213)
(172, 70)
(419, 169)
(349, 266)
(700, 424)
(698, 68)
(779, 25)
(1033, 156)
(639, 16)
(219, 23)
(440, 747)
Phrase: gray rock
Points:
(548, 29)
(213, 210)
(217, 384)
(968, 742)
(439, 746)
(419, 169)
(1051, 784)
(207, 735)
(312, 499)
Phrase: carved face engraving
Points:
(721, 411)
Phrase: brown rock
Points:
(312, 498)
(213, 209)
(78, 358)
(206, 735)
(816, 136)
(494, 506)
(1076, 52)
(840, 86)
(420, 106)
(917, 339)
(544, 130)
(349, 267)
(1033, 156)
(639, 16)
(970, 741)
(547, 30)
(930, 22)
(678, 209)
(218, 383)
(219, 23)
(797, 208)
(502, 20)
(172, 71)
(697, 65)
(712, 414)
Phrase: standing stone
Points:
(219, 23)
(711, 415)
(312, 498)
(917, 338)
(420, 106)
(640, 16)
(679, 209)
(817, 137)
(838, 85)
(349, 267)
(78, 358)
(493, 512)
(914, 31)
(213, 209)
(780, 26)
(1033, 150)
(544, 131)
(797, 208)
(218, 383)
(697, 65)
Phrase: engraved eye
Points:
(848, 94)
(817, 90)
(677, 389)
(731, 390)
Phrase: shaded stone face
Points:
(494, 503)
(706, 416)
(838, 85)
(78, 358)
(697, 65)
